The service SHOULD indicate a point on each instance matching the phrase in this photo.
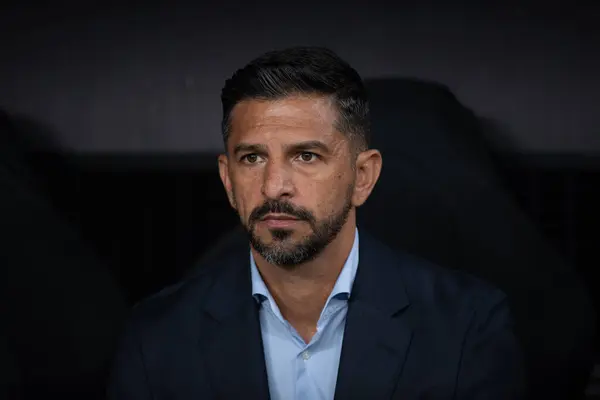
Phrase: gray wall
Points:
(115, 79)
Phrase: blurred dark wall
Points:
(146, 77)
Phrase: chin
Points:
(279, 238)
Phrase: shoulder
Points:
(181, 307)
(171, 309)
(224, 261)
(432, 286)
(437, 286)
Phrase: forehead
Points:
(301, 117)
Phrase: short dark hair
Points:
(303, 71)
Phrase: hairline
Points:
(357, 143)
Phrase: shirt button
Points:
(305, 355)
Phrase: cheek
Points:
(331, 195)
(247, 197)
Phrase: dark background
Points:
(122, 104)
(109, 77)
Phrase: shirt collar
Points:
(341, 289)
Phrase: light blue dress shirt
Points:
(296, 370)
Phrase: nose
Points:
(277, 182)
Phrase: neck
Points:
(301, 292)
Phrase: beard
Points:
(284, 250)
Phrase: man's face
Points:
(289, 174)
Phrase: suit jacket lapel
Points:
(232, 342)
(378, 333)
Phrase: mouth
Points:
(279, 220)
(279, 217)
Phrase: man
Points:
(313, 309)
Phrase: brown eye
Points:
(307, 156)
(251, 158)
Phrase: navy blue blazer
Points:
(413, 331)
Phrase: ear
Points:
(368, 169)
(224, 174)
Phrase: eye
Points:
(307, 156)
(250, 158)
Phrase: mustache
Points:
(280, 207)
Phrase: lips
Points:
(279, 217)
(279, 220)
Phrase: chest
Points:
(298, 368)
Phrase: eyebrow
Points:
(296, 147)
(250, 148)
(311, 145)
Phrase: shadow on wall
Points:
(498, 135)
(442, 196)
(61, 307)
(29, 149)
